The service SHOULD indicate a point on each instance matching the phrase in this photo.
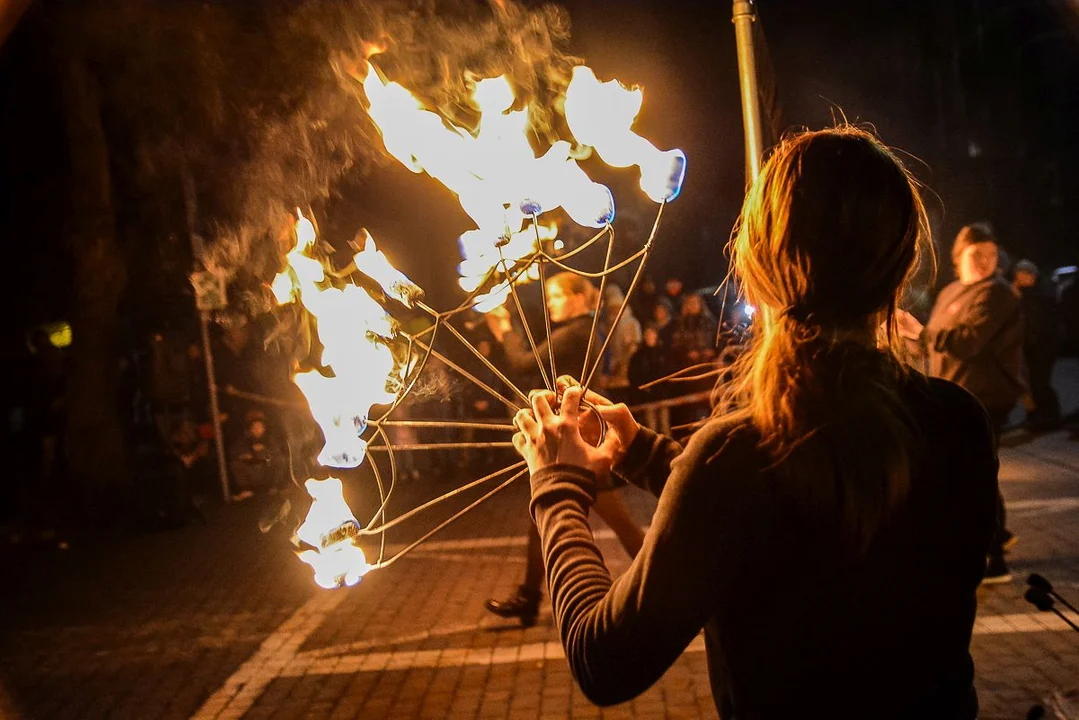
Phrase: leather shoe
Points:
(524, 606)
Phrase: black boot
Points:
(524, 606)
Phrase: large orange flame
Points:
(497, 176)
(331, 527)
(354, 331)
(601, 114)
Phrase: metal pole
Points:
(211, 382)
(744, 16)
(204, 329)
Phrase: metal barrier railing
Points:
(656, 415)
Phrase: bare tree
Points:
(251, 100)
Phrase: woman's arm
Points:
(647, 462)
(621, 637)
(640, 456)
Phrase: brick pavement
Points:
(222, 622)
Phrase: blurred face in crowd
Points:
(661, 315)
(673, 286)
(692, 305)
(1025, 279)
(257, 429)
(613, 298)
(650, 337)
(484, 346)
(977, 262)
(564, 305)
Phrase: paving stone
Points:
(222, 621)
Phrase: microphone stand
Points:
(1041, 594)
(1037, 581)
(1041, 599)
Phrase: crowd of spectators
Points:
(667, 334)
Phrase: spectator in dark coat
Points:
(647, 364)
(673, 292)
(662, 319)
(974, 338)
(1041, 343)
(644, 300)
(257, 462)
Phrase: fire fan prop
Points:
(506, 188)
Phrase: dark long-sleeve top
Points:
(791, 630)
(569, 340)
(974, 338)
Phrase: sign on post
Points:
(209, 289)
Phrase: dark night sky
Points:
(873, 62)
(890, 63)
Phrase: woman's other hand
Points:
(619, 420)
(909, 327)
(546, 438)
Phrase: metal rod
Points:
(629, 293)
(1065, 618)
(191, 215)
(675, 374)
(699, 376)
(599, 301)
(381, 529)
(524, 323)
(595, 275)
(461, 425)
(255, 397)
(443, 446)
(215, 411)
(486, 361)
(384, 497)
(479, 383)
(691, 425)
(543, 297)
(744, 15)
(582, 247)
(412, 340)
(467, 303)
(671, 402)
(451, 519)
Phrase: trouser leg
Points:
(533, 560)
(998, 417)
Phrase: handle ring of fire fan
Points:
(586, 407)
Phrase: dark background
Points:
(980, 94)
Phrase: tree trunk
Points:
(95, 440)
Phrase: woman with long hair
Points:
(827, 528)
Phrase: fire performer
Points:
(571, 302)
(828, 527)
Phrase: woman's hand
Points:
(546, 438)
(619, 419)
(909, 327)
